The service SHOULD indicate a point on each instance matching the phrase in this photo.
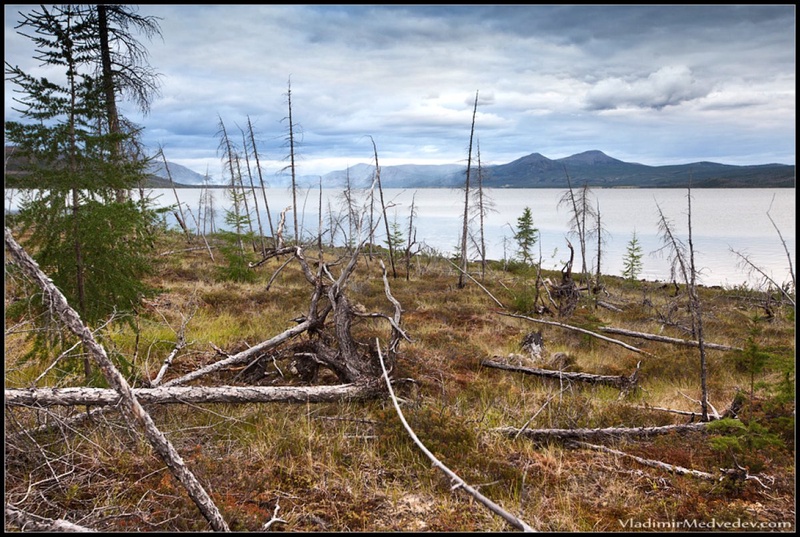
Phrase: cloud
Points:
(668, 86)
(553, 79)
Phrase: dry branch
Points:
(620, 382)
(581, 330)
(665, 339)
(135, 414)
(734, 474)
(544, 435)
(458, 483)
(680, 470)
(28, 522)
(44, 397)
(244, 355)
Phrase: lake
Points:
(722, 220)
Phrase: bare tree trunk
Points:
(180, 215)
(28, 522)
(581, 330)
(389, 240)
(175, 395)
(665, 339)
(608, 433)
(253, 190)
(454, 478)
(621, 382)
(261, 179)
(133, 411)
(292, 166)
(698, 317)
(465, 227)
(481, 214)
(228, 156)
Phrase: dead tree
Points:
(624, 384)
(608, 433)
(465, 227)
(389, 240)
(685, 261)
(566, 293)
(136, 416)
(458, 483)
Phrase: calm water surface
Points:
(722, 220)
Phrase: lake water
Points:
(722, 220)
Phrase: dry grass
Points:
(352, 466)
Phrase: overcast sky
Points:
(651, 84)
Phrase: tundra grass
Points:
(353, 467)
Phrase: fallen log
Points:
(620, 382)
(136, 416)
(543, 435)
(28, 522)
(665, 339)
(44, 397)
(680, 470)
(578, 329)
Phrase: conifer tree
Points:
(632, 262)
(525, 235)
(92, 244)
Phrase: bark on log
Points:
(133, 411)
(620, 382)
(244, 355)
(581, 330)
(45, 397)
(543, 435)
(665, 339)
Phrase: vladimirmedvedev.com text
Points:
(713, 524)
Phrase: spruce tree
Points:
(632, 262)
(525, 235)
(93, 245)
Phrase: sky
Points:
(653, 84)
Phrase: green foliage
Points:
(738, 440)
(632, 262)
(526, 235)
(753, 359)
(237, 268)
(79, 225)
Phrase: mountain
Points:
(402, 176)
(180, 175)
(596, 169)
(593, 168)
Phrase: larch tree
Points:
(93, 243)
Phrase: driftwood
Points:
(45, 397)
(28, 522)
(544, 435)
(135, 414)
(621, 382)
(665, 339)
(581, 330)
(458, 483)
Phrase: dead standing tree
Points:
(465, 227)
(684, 260)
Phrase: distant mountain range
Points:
(593, 168)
